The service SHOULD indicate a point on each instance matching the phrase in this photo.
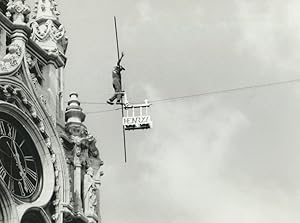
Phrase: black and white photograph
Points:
(143, 111)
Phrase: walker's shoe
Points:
(109, 102)
(119, 103)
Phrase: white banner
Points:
(137, 120)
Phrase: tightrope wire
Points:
(172, 99)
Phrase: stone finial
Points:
(45, 9)
(74, 113)
(18, 11)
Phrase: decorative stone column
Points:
(77, 181)
(74, 118)
(87, 163)
(50, 35)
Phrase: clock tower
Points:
(50, 166)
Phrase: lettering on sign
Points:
(137, 120)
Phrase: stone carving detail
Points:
(46, 30)
(86, 158)
(12, 59)
(52, 8)
(14, 95)
(34, 79)
(48, 35)
(90, 193)
(35, 71)
(18, 11)
(43, 100)
(31, 61)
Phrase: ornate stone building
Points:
(50, 167)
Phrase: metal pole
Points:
(118, 52)
(117, 39)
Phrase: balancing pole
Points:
(118, 52)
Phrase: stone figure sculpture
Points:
(90, 193)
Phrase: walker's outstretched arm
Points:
(119, 61)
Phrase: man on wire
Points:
(117, 83)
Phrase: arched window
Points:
(35, 215)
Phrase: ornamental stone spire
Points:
(74, 113)
(48, 32)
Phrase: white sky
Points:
(224, 158)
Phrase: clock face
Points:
(20, 167)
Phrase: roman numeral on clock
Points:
(29, 158)
(21, 188)
(2, 173)
(11, 185)
(31, 173)
(28, 184)
(12, 132)
(2, 128)
(21, 144)
(9, 131)
(20, 164)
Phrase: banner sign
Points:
(137, 120)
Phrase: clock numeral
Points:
(28, 184)
(2, 128)
(11, 185)
(12, 132)
(21, 144)
(21, 188)
(31, 173)
(2, 173)
(29, 158)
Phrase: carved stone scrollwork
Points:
(47, 30)
(53, 8)
(18, 11)
(49, 36)
(13, 59)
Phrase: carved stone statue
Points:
(90, 194)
